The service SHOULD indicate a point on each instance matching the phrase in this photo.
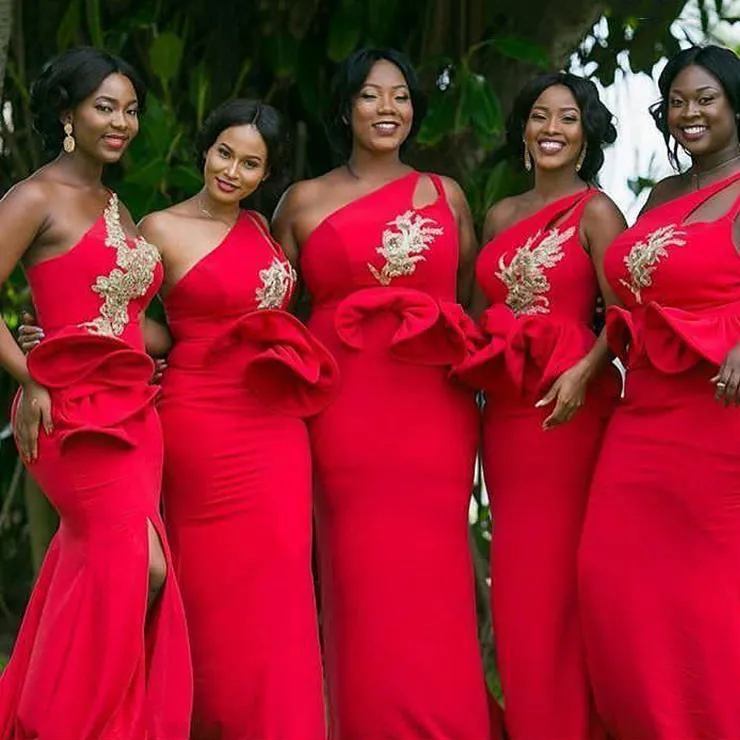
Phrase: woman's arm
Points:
(284, 233)
(468, 241)
(23, 213)
(601, 223)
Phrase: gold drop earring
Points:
(527, 159)
(69, 141)
(581, 159)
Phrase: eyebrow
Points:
(395, 87)
(703, 88)
(109, 99)
(246, 156)
(570, 108)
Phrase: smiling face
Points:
(106, 121)
(700, 116)
(382, 112)
(553, 133)
(235, 164)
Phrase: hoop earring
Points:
(527, 159)
(581, 159)
(69, 141)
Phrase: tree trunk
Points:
(6, 26)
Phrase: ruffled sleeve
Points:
(533, 350)
(96, 383)
(673, 340)
(280, 362)
(419, 328)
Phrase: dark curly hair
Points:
(269, 123)
(722, 64)
(596, 118)
(348, 81)
(66, 81)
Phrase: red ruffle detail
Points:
(671, 339)
(534, 350)
(423, 330)
(96, 383)
(281, 362)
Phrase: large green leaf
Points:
(440, 120)
(483, 107)
(282, 51)
(521, 49)
(69, 28)
(165, 55)
(344, 32)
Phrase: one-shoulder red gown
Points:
(394, 458)
(542, 289)
(242, 376)
(89, 664)
(660, 557)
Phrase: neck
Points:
(226, 212)
(552, 184)
(715, 160)
(375, 166)
(80, 169)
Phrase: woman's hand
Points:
(727, 380)
(160, 365)
(569, 394)
(34, 409)
(29, 335)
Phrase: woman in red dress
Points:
(386, 253)
(242, 376)
(89, 663)
(660, 556)
(549, 388)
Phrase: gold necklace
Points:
(203, 209)
(698, 175)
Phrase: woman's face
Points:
(236, 164)
(382, 112)
(700, 116)
(553, 133)
(106, 121)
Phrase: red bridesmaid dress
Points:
(660, 557)
(542, 288)
(394, 457)
(89, 663)
(242, 376)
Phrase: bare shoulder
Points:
(31, 195)
(666, 189)
(602, 208)
(163, 228)
(303, 194)
(501, 215)
(455, 194)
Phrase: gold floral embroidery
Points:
(643, 257)
(277, 281)
(130, 279)
(402, 248)
(525, 275)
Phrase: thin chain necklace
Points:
(697, 176)
(204, 210)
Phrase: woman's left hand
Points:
(727, 380)
(569, 394)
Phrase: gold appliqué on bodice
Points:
(525, 275)
(131, 278)
(277, 281)
(403, 245)
(644, 256)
